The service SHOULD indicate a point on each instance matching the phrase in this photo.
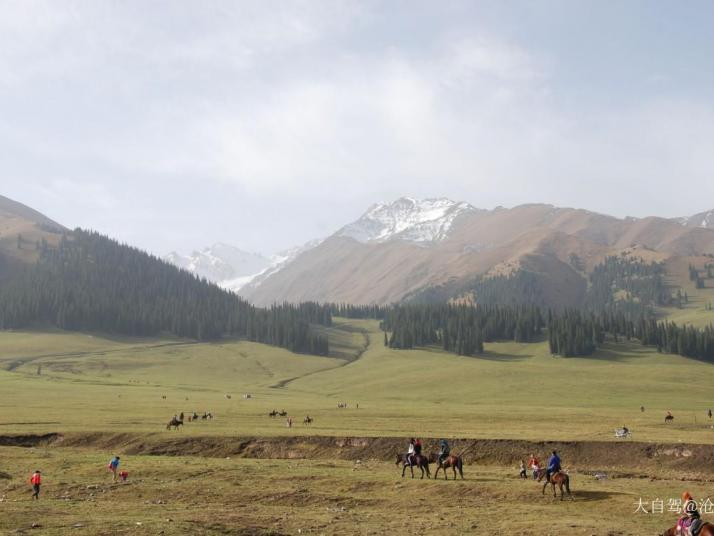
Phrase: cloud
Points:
(303, 113)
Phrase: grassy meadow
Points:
(78, 384)
(194, 495)
(512, 391)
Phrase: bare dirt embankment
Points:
(625, 458)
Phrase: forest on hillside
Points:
(90, 282)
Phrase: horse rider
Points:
(443, 451)
(417, 447)
(625, 430)
(553, 466)
(410, 453)
(534, 464)
(692, 518)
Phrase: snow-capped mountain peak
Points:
(413, 220)
(220, 262)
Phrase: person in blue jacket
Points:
(113, 466)
(553, 466)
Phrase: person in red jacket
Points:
(36, 480)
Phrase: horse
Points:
(175, 423)
(307, 420)
(668, 418)
(707, 529)
(455, 462)
(421, 461)
(560, 478)
(273, 414)
(283, 413)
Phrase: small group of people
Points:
(554, 465)
(112, 466)
(415, 446)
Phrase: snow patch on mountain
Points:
(413, 220)
(704, 220)
(233, 268)
(278, 262)
(221, 262)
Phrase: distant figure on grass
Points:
(522, 474)
(290, 422)
(123, 475)
(36, 481)
(642, 409)
(669, 417)
(113, 466)
(534, 464)
(709, 413)
(175, 423)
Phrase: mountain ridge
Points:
(379, 259)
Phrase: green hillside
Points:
(66, 381)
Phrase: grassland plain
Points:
(196, 495)
(79, 384)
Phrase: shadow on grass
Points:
(487, 355)
(593, 496)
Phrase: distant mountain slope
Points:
(234, 269)
(398, 249)
(221, 262)
(703, 219)
(21, 230)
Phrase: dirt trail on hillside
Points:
(624, 459)
(365, 346)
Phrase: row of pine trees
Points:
(463, 329)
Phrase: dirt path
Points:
(365, 346)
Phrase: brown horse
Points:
(668, 418)
(707, 529)
(560, 478)
(421, 461)
(455, 462)
(175, 423)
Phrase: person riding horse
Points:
(692, 520)
(417, 447)
(410, 453)
(443, 451)
(553, 466)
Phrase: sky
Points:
(174, 125)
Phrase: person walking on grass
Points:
(523, 474)
(36, 480)
(113, 466)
